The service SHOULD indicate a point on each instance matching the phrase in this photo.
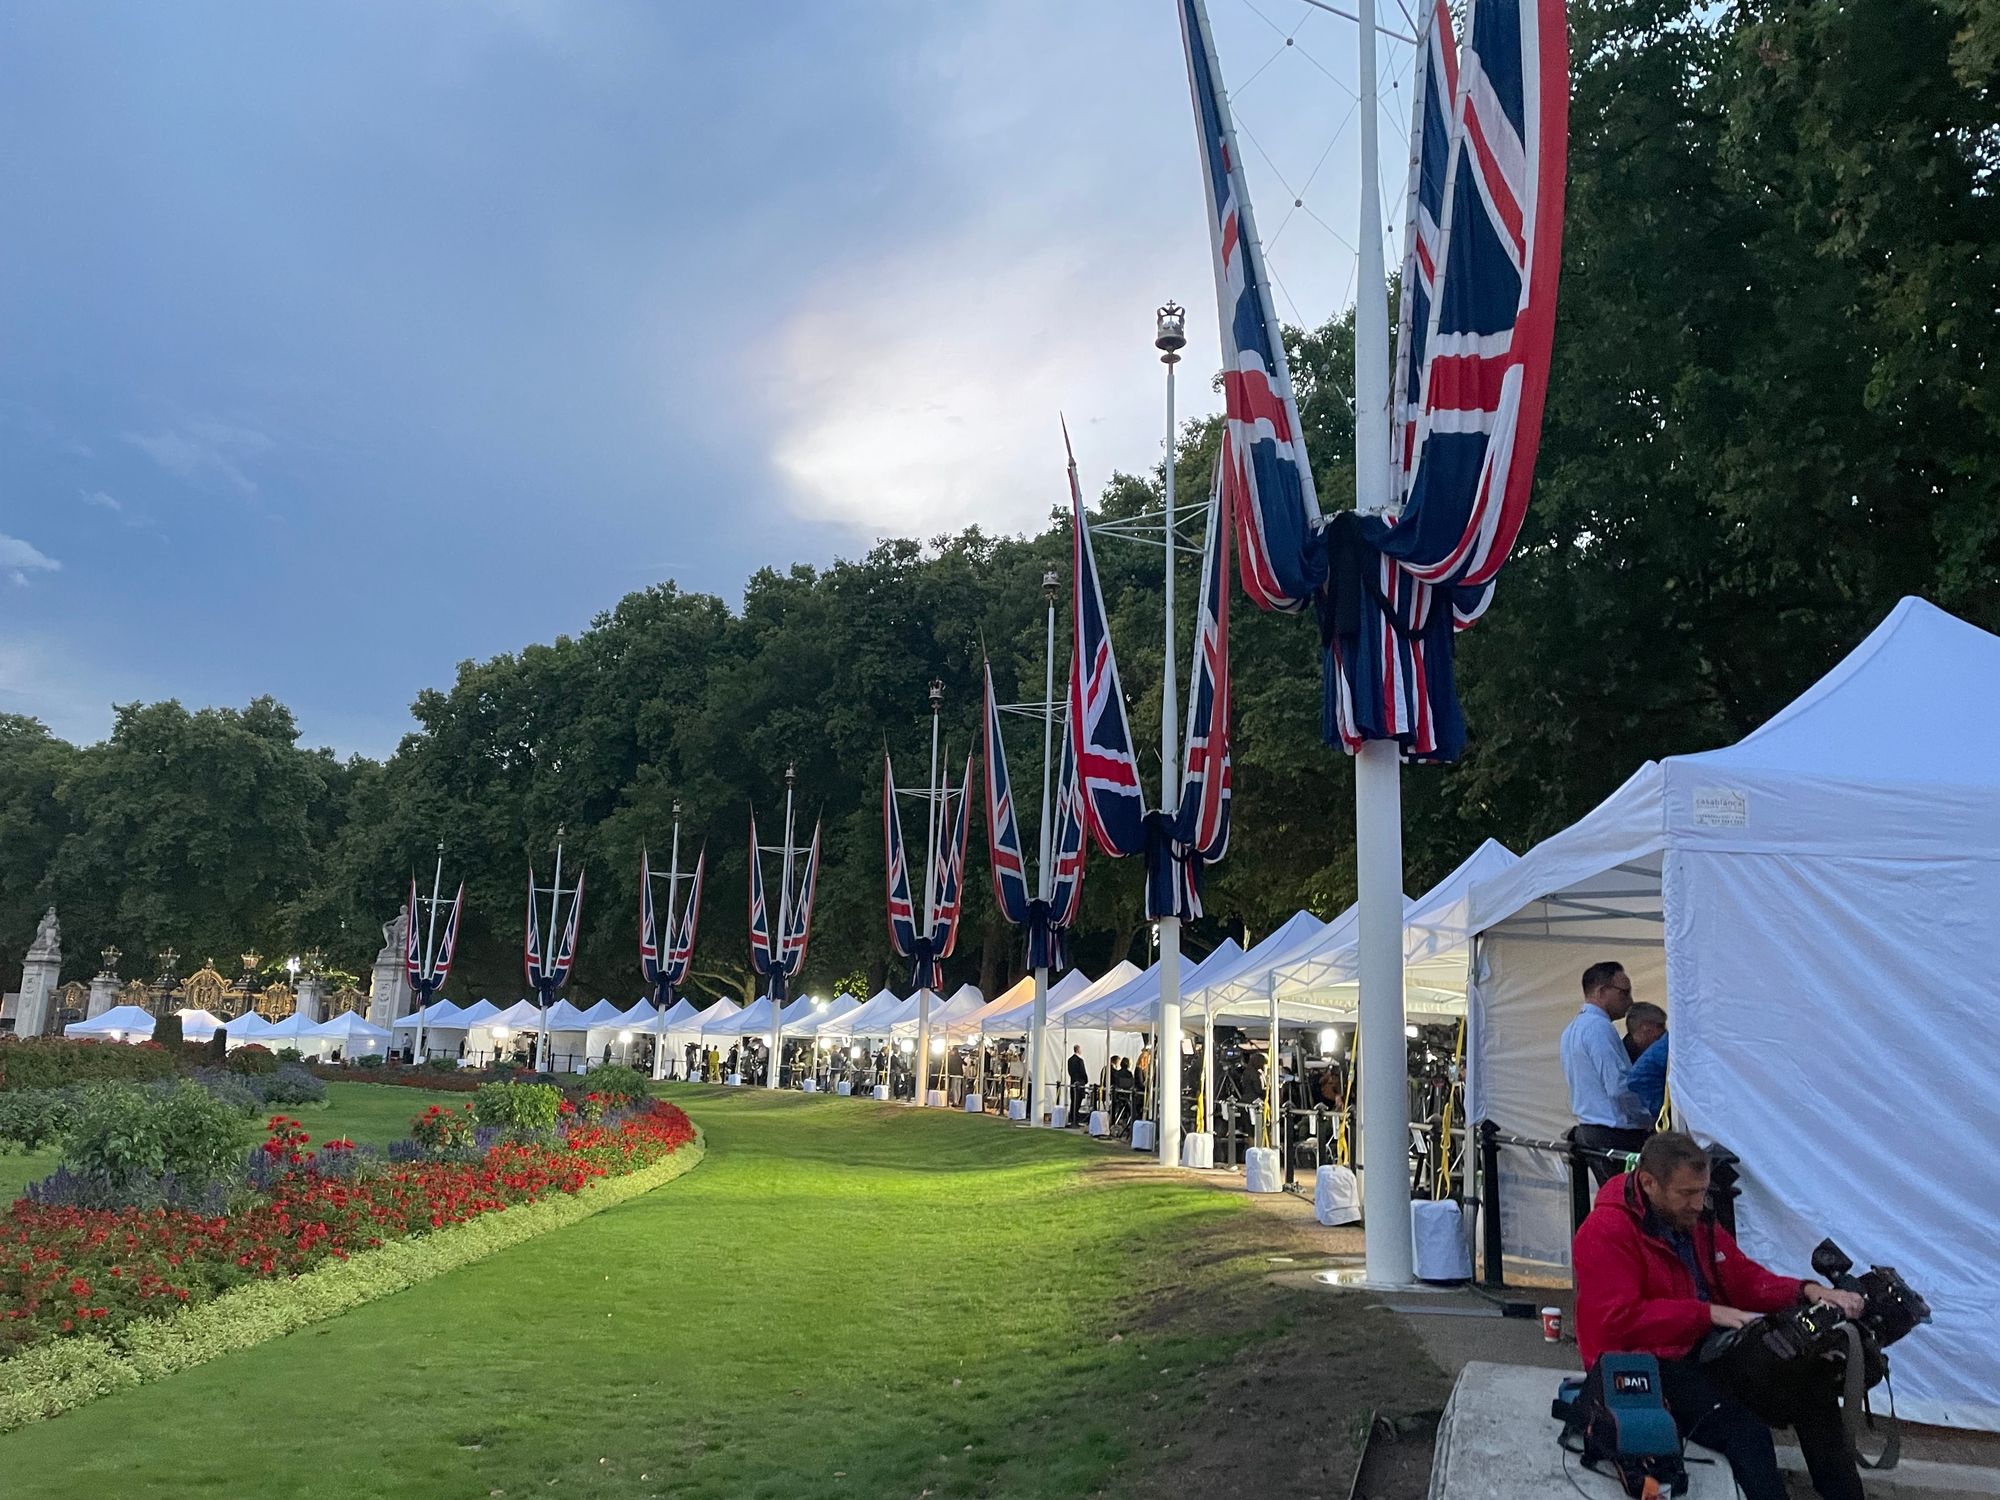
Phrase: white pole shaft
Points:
(666, 942)
(1044, 873)
(923, 1068)
(784, 921)
(430, 954)
(1378, 814)
(551, 941)
(1167, 1049)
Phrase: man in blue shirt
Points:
(1646, 1044)
(1608, 1117)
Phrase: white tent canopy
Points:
(945, 1015)
(248, 1027)
(196, 1025)
(439, 1015)
(296, 1030)
(121, 1023)
(1134, 1005)
(1241, 992)
(753, 1020)
(1013, 1014)
(822, 1019)
(1819, 908)
(1437, 947)
(872, 1019)
(353, 1032)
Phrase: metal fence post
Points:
(1489, 1202)
(1579, 1186)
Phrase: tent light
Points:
(499, 1033)
(854, 1053)
(908, 1046)
(624, 1036)
(1409, 1031)
(1328, 1040)
(937, 1044)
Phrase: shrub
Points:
(439, 1129)
(33, 1118)
(251, 1058)
(441, 1064)
(522, 1107)
(370, 1060)
(167, 1032)
(218, 1044)
(620, 1087)
(290, 1055)
(291, 1084)
(129, 1138)
(231, 1089)
(50, 1062)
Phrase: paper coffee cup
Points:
(1552, 1325)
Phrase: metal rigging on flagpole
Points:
(666, 956)
(548, 972)
(779, 957)
(1060, 837)
(944, 881)
(428, 962)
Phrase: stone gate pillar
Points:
(39, 974)
(103, 985)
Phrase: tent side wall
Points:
(1833, 1026)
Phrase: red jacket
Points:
(1635, 1296)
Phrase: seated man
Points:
(1655, 1272)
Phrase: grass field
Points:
(844, 1299)
(370, 1114)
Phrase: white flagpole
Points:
(551, 946)
(1378, 815)
(1170, 338)
(665, 941)
(1044, 875)
(930, 903)
(430, 939)
(784, 925)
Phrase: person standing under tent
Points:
(1142, 1070)
(1646, 1045)
(1608, 1117)
(1079, 1080)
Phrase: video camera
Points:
(1768, 1362)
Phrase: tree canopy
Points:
(1773, 413)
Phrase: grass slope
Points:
(845, 1299)
(370, 1114)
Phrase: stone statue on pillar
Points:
(389, 988)
(309, 999)
(40, 972)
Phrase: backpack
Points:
(1616, 1420)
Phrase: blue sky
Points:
(341, 343)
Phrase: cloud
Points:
(204, 452)
(99, 500)
(19, 559)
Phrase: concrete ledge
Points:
(1497, 1441)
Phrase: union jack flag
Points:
(951, 871)
(548, 973)
(901, 906)
(1267, 478)
(1201, 826)
(680, 950)
(1430, 149)
(760, 916)
(1099, 732)
(1482, 378)
(798, 921)
(413, 952)
(1048, 922)
(668, 972)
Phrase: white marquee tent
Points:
(198, 1025)
(947, 1017)
(1013, 1013)
(121, 1023)
(354, 1034)
(1819, 908)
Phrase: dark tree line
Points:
(1774, 412)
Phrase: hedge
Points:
(62, 1375)
(49, 1062)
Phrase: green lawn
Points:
(370, 1114)
(845, 1299)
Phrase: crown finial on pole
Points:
(1051, 583)
(1170, 335)
(937, 695)
(791, 772)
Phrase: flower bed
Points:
(65, 1271)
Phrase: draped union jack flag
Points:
(1430, 151)
(428, 983)
(1071, 844)
(665, 957)
(896, 866)
(798, 922)
(944, 892)
(548, 972)
(1048, 922)
(1100, 734)
(1267, 478)
(1484, 375)
(1003, 827)
(760, 913)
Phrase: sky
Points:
(342, 343)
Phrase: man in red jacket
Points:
(1654, 1273)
